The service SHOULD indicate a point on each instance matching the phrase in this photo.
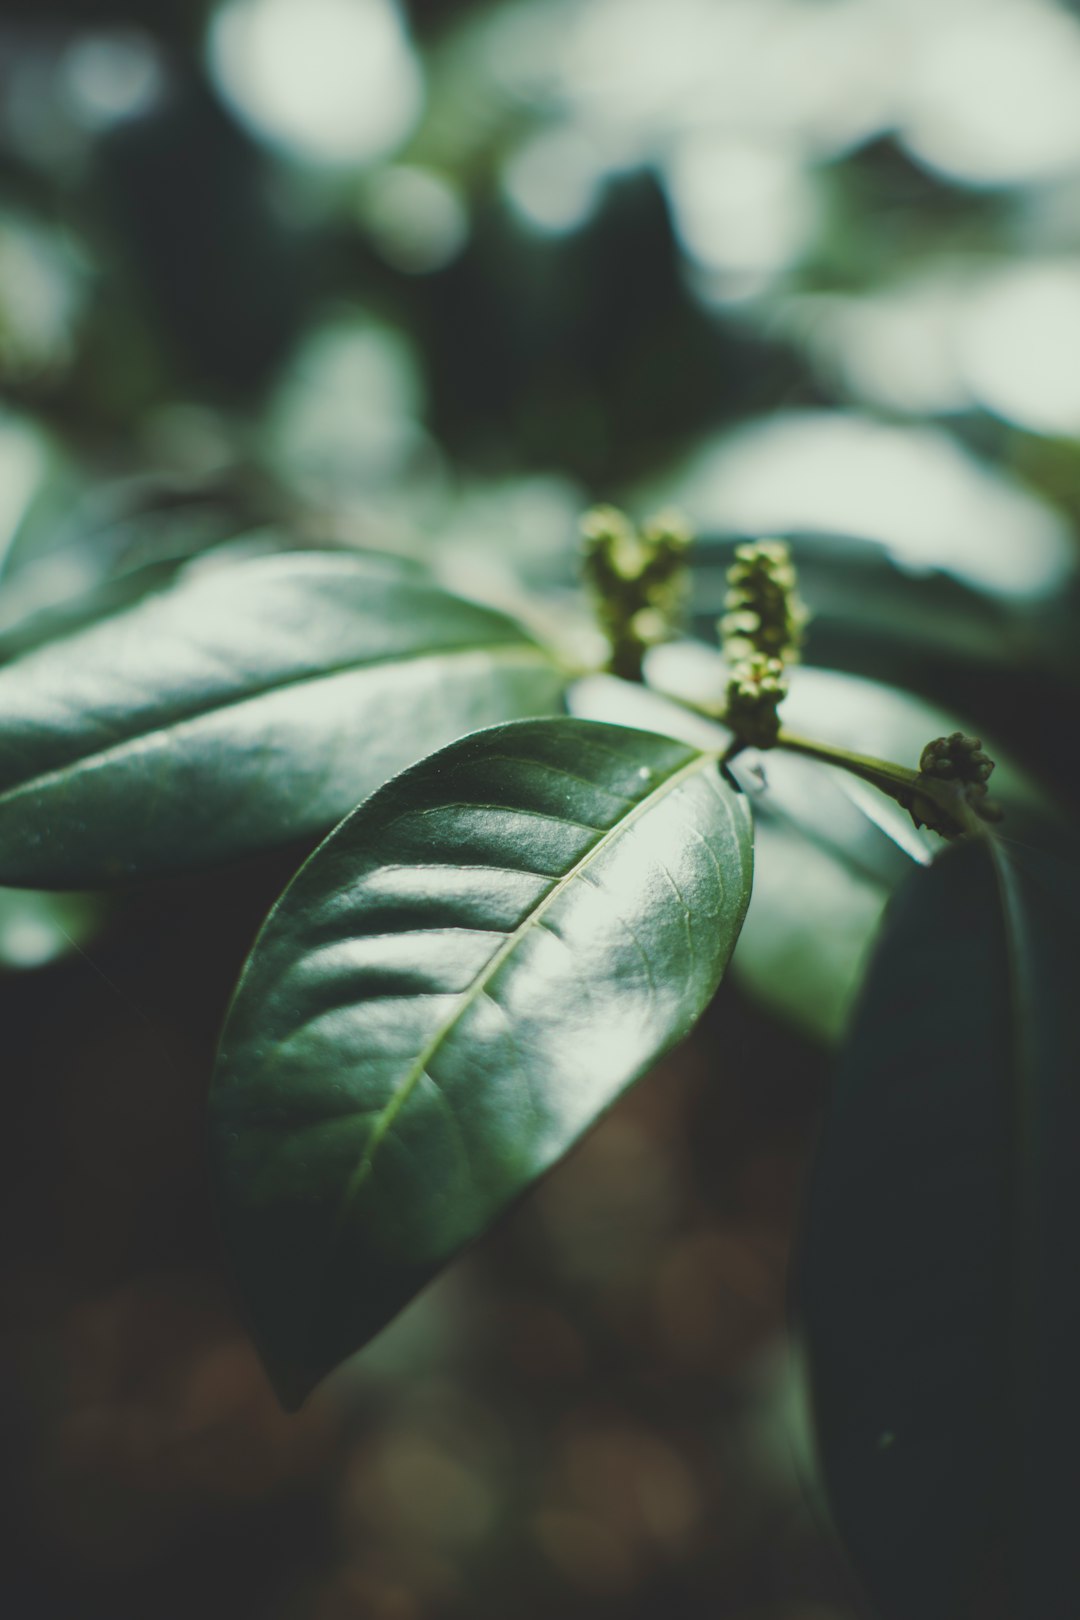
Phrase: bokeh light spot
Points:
(110, 77)
(416, 218)
(914, 490)
(332, 81)
(554, 180)
(991, 94)
(1020, 343)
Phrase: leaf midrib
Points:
(502, 650)
(386, 1117)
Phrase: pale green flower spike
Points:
(764, 613)
(761, 634)
(638, 581)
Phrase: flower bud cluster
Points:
(764, 613)
(761, 634)
(957, 759)
(959, 762)
(754, 694)
(638, 580)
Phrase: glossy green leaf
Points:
(937, 1279)
(245, 706)
(460, 980)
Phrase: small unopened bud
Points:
(959, 761)
(956, 758)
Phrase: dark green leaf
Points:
(464, 975)
(937, 1281)
(244, 706)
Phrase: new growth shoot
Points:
(639, 582)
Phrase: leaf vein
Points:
(667, 785)
(170, 727)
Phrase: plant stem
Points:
(908, 787)
(899, 782)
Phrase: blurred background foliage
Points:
(431, 278)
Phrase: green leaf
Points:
(808, 932)
(460, 980)
(937, 1277)
(245, 706)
